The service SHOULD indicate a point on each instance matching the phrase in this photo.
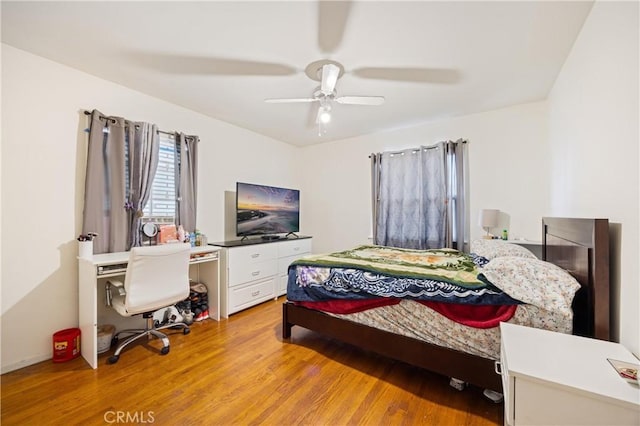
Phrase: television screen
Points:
(266, 210)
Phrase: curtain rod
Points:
(113, 121)
(423, 147)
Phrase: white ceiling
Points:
(190, 53)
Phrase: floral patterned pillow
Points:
(533, 281)
(491, 249)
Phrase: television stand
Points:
(255, 270)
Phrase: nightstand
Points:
(558, 379)
(534, 247)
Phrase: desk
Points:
(93, 274)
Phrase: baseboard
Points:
(24, 363)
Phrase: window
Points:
(161, 206)
(418, 197)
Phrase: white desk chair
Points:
(156, 277)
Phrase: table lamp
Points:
(488, 219)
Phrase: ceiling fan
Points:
(333, 17)
(328, 72)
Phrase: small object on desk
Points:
(181, 234)
(88, 237)
(168, 233)
(626, 370)
(150, 230)
(85, 249)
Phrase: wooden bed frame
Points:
(580, 246)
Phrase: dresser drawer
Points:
(251, 272)
(282, 285)
(284, 262)
(290, 248)
(239, 257)
(242, 297)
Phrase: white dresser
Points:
(253, 272)
(559, 379)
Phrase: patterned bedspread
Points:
(438, 264)
(369, 272)
(415, 320)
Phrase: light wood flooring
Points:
(240, 372)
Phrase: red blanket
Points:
(477, 316)
(349, 306)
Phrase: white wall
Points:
(43, 162)
(508, 171)
(594, 134)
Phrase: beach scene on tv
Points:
(264, 210)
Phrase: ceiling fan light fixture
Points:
(324, 116)
(329, 77)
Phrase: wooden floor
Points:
(237, 372)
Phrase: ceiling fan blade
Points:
(290, 100)
(204, 65)
(417, 75)
(332, 21)
(330, 73)
(360, 100)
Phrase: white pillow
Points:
(533, 281)
(490, 249)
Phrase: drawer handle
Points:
(255, 273)
(497, 366)
(255, 293)
(296, 249)
(255, 255)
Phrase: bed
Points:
(579, 246)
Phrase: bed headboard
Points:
(581, 246)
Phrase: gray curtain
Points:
(186, 180)
(415, 199)
(457, 228)
(105, 197)
(143, 162)
(376, 159)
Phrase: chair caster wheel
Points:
(164, 350)
(186, 330)
(113, 359)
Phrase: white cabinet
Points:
(559, 379)
(255, 272)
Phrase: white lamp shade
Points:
(488, 218)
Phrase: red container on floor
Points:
(66, 344)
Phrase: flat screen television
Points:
(266, 210)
